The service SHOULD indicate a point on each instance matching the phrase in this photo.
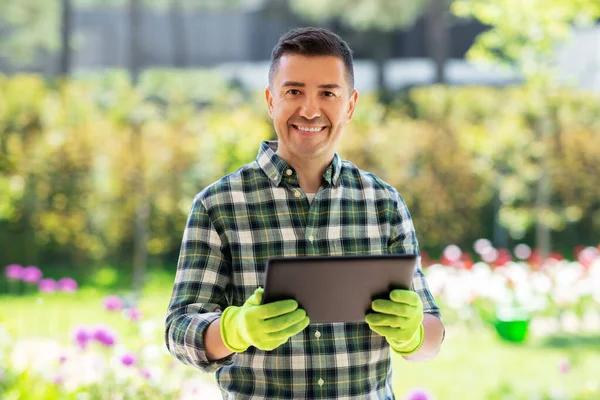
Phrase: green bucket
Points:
(512, 324)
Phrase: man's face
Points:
(310, 102)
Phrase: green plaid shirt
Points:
(259, 212)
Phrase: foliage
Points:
(384, 15)
(525, 36)
(70, 151)
(19, 43)
(499, 135)
(424, 160)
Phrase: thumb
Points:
(256, 298)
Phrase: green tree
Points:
(19, 43)
(526, 37)
(380, 17)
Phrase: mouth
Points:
(308, 130)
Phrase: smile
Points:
(309, 129)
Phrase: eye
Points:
(328, 94)
(293, 92)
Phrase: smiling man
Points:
(310, 98)
(298, 198)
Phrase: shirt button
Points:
(311, 238)
(321, 382)
(317, 334)
(289, 172)
(297, 193)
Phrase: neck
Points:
(310, 171)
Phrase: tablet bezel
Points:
(374, 277)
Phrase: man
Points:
(298, 198)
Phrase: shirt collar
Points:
(275, 167)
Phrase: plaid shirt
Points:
(259, 212)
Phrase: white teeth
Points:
(308, 129)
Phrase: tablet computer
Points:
(338, 288)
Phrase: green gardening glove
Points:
(399, 320)
(265, 326)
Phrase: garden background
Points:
(98, 168)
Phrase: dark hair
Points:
(312, 42)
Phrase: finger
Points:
(275, 309)
(292, 330)
(283, 321)
(270, 345)
(407, 297)
(393, 308)
(378, 319)
(388, 332)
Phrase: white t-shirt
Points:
(310, 197)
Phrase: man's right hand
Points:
(265, 326)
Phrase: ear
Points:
(351, 105)
(269, 98)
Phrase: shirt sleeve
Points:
(199, 291)
(403, 240)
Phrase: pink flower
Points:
(452, 253)
(82, 336)
(31, 274)
(113, 303)
(481, 245)
(522, 251)
(67, 285)
(105, 336)
(63, 358)
(133, 314)
(128, 359)
(146, 373)
(14, 272)
(564, 366)
(47, 285)
(419, 394)
(587, 256)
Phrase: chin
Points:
(311, 151)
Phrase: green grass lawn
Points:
(473, 364)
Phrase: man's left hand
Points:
(399, 320)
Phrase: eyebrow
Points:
(300, 84)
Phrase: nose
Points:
(310, 108)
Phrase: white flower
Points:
(198, 388)
(83, 369)
(569, 322)
(39, 355)
(151, 353)
(591, 321)
(541, 283)
(544, 326)
(148, 329)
